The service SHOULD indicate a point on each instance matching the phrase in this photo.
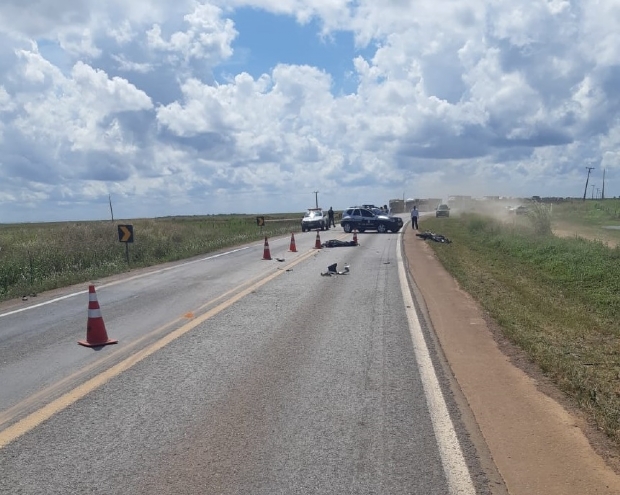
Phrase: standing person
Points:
(330, 214)
(414, 217)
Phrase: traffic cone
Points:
(266, 253)
(293, 248)
(355, 237)
(96, 334)
(317, 244)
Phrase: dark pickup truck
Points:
(362, 219)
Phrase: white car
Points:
(314, 219)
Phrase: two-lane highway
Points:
(233, 374)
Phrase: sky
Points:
(265, 106)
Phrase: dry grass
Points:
(39, 257)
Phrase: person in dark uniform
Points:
(414, 217)
(330, 214)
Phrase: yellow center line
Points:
(37, 417)
(43, 395)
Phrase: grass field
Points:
(40, 257)
(558, 298)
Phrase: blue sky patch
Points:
(266, 39)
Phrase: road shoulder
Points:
(537, 441)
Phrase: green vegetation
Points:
(39, 257)
(589, 213)
(556, 298)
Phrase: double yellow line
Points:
(37, 417)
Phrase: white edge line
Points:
(454, 466)
(67, 296)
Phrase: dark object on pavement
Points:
(332, 270)
(434, 237)
(337, 243)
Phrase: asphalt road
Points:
(234, 375)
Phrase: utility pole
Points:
(316, 198)
(593, 190)
(111, 212)
(603, 191)
(587, 179)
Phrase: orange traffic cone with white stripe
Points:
(293, 247)
(266, 252)
(355, 237)
(96, 334)
(317, 244)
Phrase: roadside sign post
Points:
(260, 221)
(125, 234)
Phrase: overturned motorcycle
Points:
(434, 237)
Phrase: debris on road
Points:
(332, 270)
(337, 243)
(434, 237)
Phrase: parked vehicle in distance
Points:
(442, 211)
(521, 210)
(314, 219)
(517, 210)
(362, 219)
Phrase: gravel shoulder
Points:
(539, 442)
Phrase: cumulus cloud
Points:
(78, 109)
(207, 38)
(151, 101)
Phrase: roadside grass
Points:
(591, 213)
(592, 219)
(556, 298)
(39, 257)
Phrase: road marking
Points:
(161, 270)
(455, 469)
(36, 418)
(53, 390)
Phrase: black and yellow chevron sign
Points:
(125, 233)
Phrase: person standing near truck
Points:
(330, 215)
(415, 213)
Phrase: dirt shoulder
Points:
(609, 237)
(539, 442)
